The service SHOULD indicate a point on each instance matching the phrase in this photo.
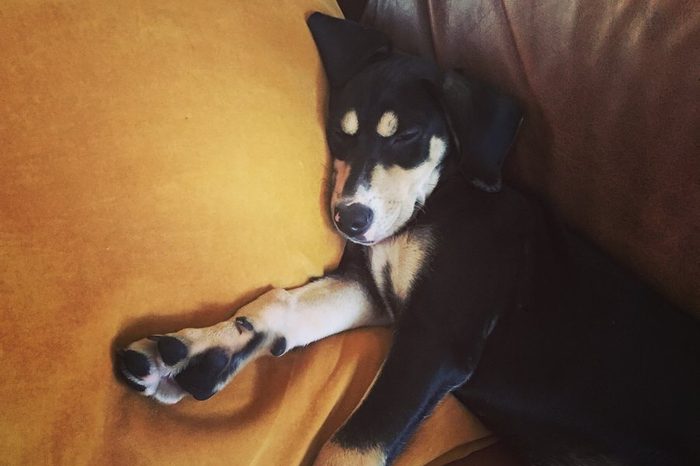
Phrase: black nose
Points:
(353, 219)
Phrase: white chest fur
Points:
(397, 262)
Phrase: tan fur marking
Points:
(406, 255)
(341, 171)
(349, 123)
(388, 124)
(333, 454)
(394, 191)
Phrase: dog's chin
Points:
(362, 241)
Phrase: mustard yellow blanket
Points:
(161, 163)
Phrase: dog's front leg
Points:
(202, 361)
(297, 317)
(417, 374)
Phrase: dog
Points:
(559, 351)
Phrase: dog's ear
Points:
(345, 46)
(484, 124)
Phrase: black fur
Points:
(559, 350)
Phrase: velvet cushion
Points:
(162, 163)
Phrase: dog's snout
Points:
(353, 219)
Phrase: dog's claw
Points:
(155, 337)
(242, 322)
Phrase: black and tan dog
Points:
(558, 350)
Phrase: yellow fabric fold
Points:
(162, 163)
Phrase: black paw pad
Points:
(279, 346)
(171, 350)
(126, 380)
(136, 363)
(242, 322)
(203, 373)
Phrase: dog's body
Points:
(554, 347)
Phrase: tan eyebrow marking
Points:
(349, 123)
(388, 124)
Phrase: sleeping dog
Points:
(559, 351)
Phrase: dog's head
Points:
(393, 122)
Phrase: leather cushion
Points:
(612, 132)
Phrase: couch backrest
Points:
(611, 89)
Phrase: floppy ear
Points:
(345, 46)
(484, 123)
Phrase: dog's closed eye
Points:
(405, 136)
(340, 133)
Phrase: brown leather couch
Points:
(611, 138)
(612, 132)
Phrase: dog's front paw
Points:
(199, 362)
(143, 369)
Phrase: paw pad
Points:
(171, 349)
(135, 362)
(279, 346)
(203, 372)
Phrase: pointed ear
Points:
(345, 46)
(484, 123)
